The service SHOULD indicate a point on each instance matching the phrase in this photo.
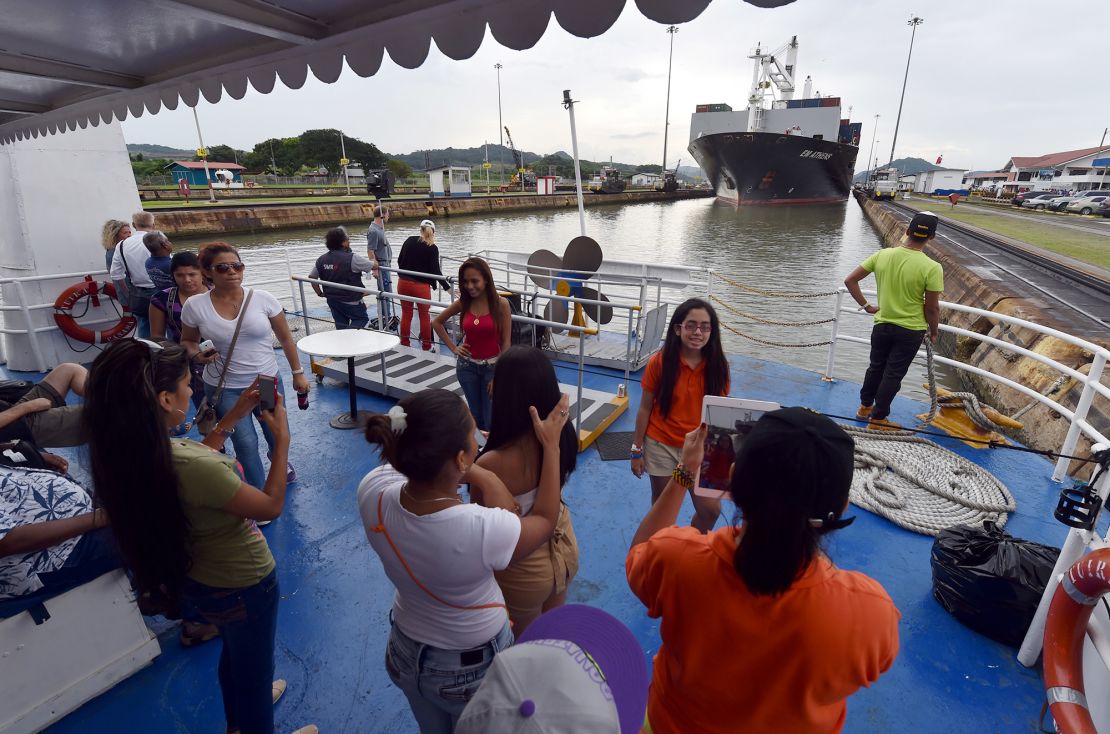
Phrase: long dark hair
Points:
(493, 298)
(782, 480)
(437, 427)
(716, 364)
(524, 377)
(131, 461)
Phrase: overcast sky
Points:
(989, 80)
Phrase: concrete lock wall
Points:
(56, 192)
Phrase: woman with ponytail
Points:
(185, 520)
(761, 604)
(449, 616)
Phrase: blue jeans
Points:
(438, 683)
(245, 438)
(385, 305)
(247, 620)
(892, 351)
(475, 380)
(348, 314)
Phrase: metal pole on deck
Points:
(835, 335)
(203, 153)
(343, 162)
(581, 371)
(500, 132)
(667, 122)
(1094, 377)
(914, 22)
(568, 104)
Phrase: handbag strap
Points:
(380, 528)
(231, 349)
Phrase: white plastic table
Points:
(349, 344)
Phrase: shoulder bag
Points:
(206, 412)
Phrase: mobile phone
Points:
(207, 348)
(730, 420)
(267, 387)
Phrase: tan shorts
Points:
(57, 426)
(530, 582)
(659, 458)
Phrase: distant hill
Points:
(906, 167)
(423, 159)
(159, 151)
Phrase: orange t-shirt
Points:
(733, 661)
(685, 413)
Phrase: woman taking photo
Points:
(761, 603)
(419, 254)
(113, 232)
(486, 322)
(183, 518)
(165, 310)
(449, 616)
(538, 583)
(691, 366)
(258, 317)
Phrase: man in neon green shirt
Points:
(909, 286)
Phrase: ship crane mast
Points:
(771, 69)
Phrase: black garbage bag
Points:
(990, 580)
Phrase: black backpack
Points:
(21, 454)
(12, 390)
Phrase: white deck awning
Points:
(65, 64)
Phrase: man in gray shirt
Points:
(377, 248)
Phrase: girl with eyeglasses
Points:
(183, 518)
(214, 315)
(691, 365)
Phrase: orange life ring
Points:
(89, 288)
(1064, 631)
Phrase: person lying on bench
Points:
(41, 416)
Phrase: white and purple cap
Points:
(575, 669)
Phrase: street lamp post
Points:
(343, 162)
(568, 103)
(671, 30)
(203, 152)
(500, 132)
(874, 132)
(913, 22)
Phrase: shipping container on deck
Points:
(830, 101)
(857, 130)
(793, 104)
(720, 107)
(702, 108)
(809, 103)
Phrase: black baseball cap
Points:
(923, 225)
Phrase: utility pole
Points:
(913, 22)
(671, 30)
(568, 104)
(203, 153)
(1103, 141)
(343, 162)
(500, 131)
(273, 163)
(874, 132)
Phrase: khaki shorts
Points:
(56, 427)
(659, 458)
(530, 582)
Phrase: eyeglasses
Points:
(225, 268)
(692, 326)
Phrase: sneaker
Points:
(194, 633)
(882, 424)
(290, 474)
(864, 412)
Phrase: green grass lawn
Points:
(1090, 248)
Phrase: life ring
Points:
(1065, 629)
(89, 288)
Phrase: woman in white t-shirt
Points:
(213, 315)
(449, 616)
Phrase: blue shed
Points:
(193, 171)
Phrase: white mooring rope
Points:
(921, 486)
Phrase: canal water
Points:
(781, 250)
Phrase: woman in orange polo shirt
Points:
(760, 631)
(691, 366)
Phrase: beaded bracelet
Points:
(682, 477)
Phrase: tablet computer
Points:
(730, 420)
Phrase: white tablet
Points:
(730, 420)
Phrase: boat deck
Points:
(334, 615)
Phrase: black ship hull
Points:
(770, 168)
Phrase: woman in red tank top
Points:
(486, 322)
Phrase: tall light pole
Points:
(203, 153)
(568, 103)
(671, 30)
(874, 132)
(343, 162)
(913, 22)
(500, 132)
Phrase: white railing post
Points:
(289, 270)
(1081, 409)
(304, 307)
(32, 335)
(831, 362)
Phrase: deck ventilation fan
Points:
(566, 276)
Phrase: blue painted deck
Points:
(335, 597)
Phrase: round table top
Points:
(345, 343)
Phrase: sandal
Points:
(310, 729)
(279, 687)
(194, 633)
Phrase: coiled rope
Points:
(922, 486)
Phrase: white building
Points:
(941, 181)
(1070, 170)
(645, 179)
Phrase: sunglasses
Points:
(225, 268)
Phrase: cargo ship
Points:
(778, 150)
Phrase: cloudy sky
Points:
(989, 80)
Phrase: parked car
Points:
(1020, 198)
(1036, 199)
(1060, 202)
(1087, 204)
(1104, 208)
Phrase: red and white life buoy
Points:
(1068, 616)
(89, 288)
